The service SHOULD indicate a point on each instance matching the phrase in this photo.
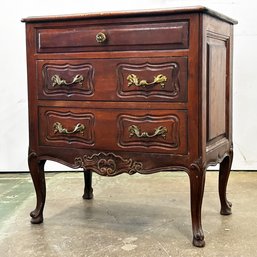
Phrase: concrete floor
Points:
(138, 216)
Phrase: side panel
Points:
(217, 56)
(216, 88)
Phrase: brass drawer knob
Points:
(133, 80)
(100, 37)
(136, 131)
(58, 128)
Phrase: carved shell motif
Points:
(108, 164)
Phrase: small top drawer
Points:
(125, 37)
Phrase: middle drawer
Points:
(131, 79)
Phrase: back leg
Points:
(224, 172)
(88, 190)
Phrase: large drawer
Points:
(125, 37)
(124, 79)
(161, 131)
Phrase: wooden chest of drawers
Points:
(132, 92)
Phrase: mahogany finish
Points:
(130, 92)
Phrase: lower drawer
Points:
(161, 131)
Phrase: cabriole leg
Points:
(38, 177)
(88, 190)
(197, 182)
(225, 167)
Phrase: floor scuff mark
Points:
(129, 243)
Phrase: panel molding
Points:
(172, 89)
(217, 106)
(49, 117)
(67, 70)
(171, 141)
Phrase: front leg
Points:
(197, 182)
(38, 177)
(88, 190)
(224, 172)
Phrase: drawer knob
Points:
(133, 80)
(100, 37)
(58, 128)
(58, 81)
(136, 131)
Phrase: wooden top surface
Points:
(134, 13)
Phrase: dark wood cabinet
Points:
(127, 92)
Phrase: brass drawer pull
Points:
(100, 37)
(134, 80)
(58, 127)
(58, 81)
(136, 131)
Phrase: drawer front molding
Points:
(165, 132)
(156, 79)
(126, 37)
(108, 164)
(68, 79)
(66, 128)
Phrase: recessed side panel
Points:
(217, 58)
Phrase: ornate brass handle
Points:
(58, 81)
(133, 80)
(136, 131)
(100, 37)
(58, 127)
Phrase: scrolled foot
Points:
(36, 217)
(226, 209)
(198, 240)
(197, 180)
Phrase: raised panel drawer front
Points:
(65, 79)
(163, 131)
(153, 79)
(126, 37)
(66, 127)
(153, 131)
(134, 79)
